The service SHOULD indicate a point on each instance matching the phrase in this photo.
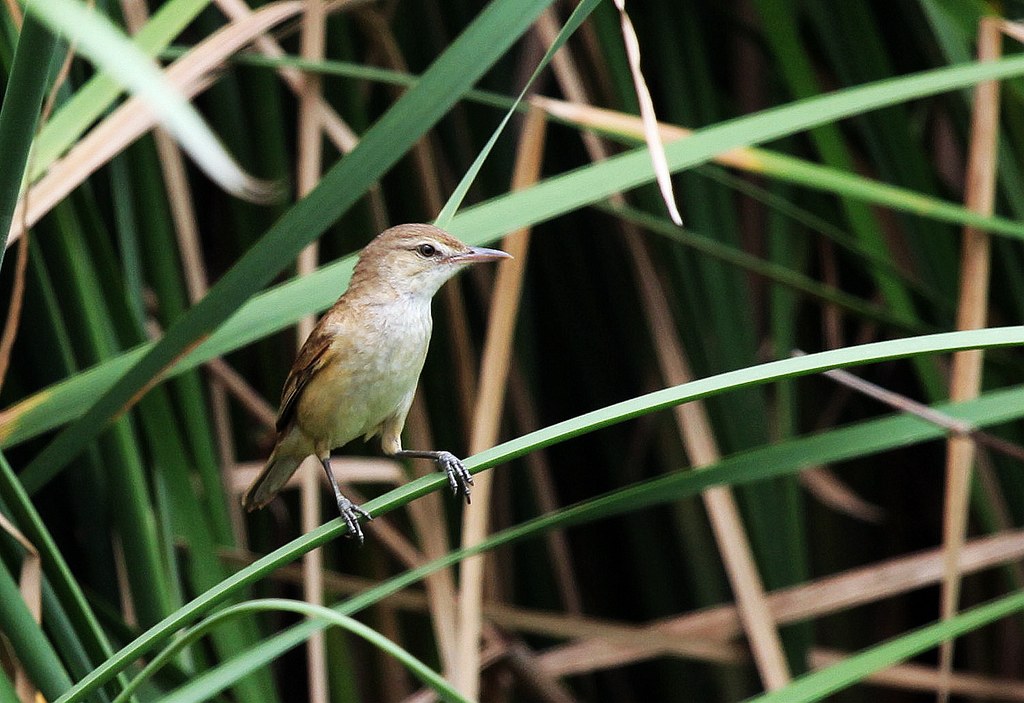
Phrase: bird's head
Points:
(416, 259)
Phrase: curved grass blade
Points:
(104, 44)
(821, 684)
(83, 108)
(589, 422)
(314, 612)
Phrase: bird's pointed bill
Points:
(477, 254)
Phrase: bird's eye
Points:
(426, 250)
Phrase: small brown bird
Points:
(356, 374)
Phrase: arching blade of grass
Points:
(863, 439)
(314, 612)
(96, 37)
(589, 422)
(71, 120)
(821, 684)
(482, 43)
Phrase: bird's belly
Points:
(362, 391)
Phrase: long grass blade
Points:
(96, 37)
(19, 113)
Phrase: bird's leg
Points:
(350, 512)
(459, 477)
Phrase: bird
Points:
(356, 373)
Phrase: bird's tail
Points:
(274, 475)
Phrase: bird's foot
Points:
(459, 477)
(350, 513)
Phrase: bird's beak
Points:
(478, 254)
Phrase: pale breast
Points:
(373, 369)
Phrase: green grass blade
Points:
(71, 120)
(34, 651)
(820, 684)
(23, 98)
(199, 693)
(96, 37)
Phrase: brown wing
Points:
(312, 357)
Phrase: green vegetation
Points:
(654, 382)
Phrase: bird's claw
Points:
(350, 513)
(458, 475)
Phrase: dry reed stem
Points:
(522, 662)
(428, 520)
(190, 75)
(307, 174)
(14, 10)
(395, 680)
(697, 435)
(900, 402)
(578, 111)
(251, 401)
(694, 427)
(824, 596)
(11, 323)
(497, 352)
(972, 309)
(831, 491)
